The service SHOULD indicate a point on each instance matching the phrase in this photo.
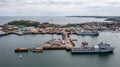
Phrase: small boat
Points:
(37, 49)
(19, 33)
(20, 56)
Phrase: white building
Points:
(27, 28)
(1, 32)
(1, 28)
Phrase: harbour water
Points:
(57, 58)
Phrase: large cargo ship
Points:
(100, 48)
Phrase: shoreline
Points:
(51, 33)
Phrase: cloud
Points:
(59, 7)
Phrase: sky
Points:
(59, 7)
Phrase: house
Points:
(1, 27)
(35, 30)
(10, 27)
(2, 33)
(27, 29)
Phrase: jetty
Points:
(65, 43)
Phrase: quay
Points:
(66, 43)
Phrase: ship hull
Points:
(88, 34)
(91, 52)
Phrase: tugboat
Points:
(91, 33)
(100, 48)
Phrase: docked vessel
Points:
(100, 48)
(37, 49)
(90, 33)
(21, 50)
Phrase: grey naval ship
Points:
(100, 48)
(91, 33)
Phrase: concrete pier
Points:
(66, 43)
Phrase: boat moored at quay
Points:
(88, 33)
(100, 48)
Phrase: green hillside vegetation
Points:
(24, 22)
